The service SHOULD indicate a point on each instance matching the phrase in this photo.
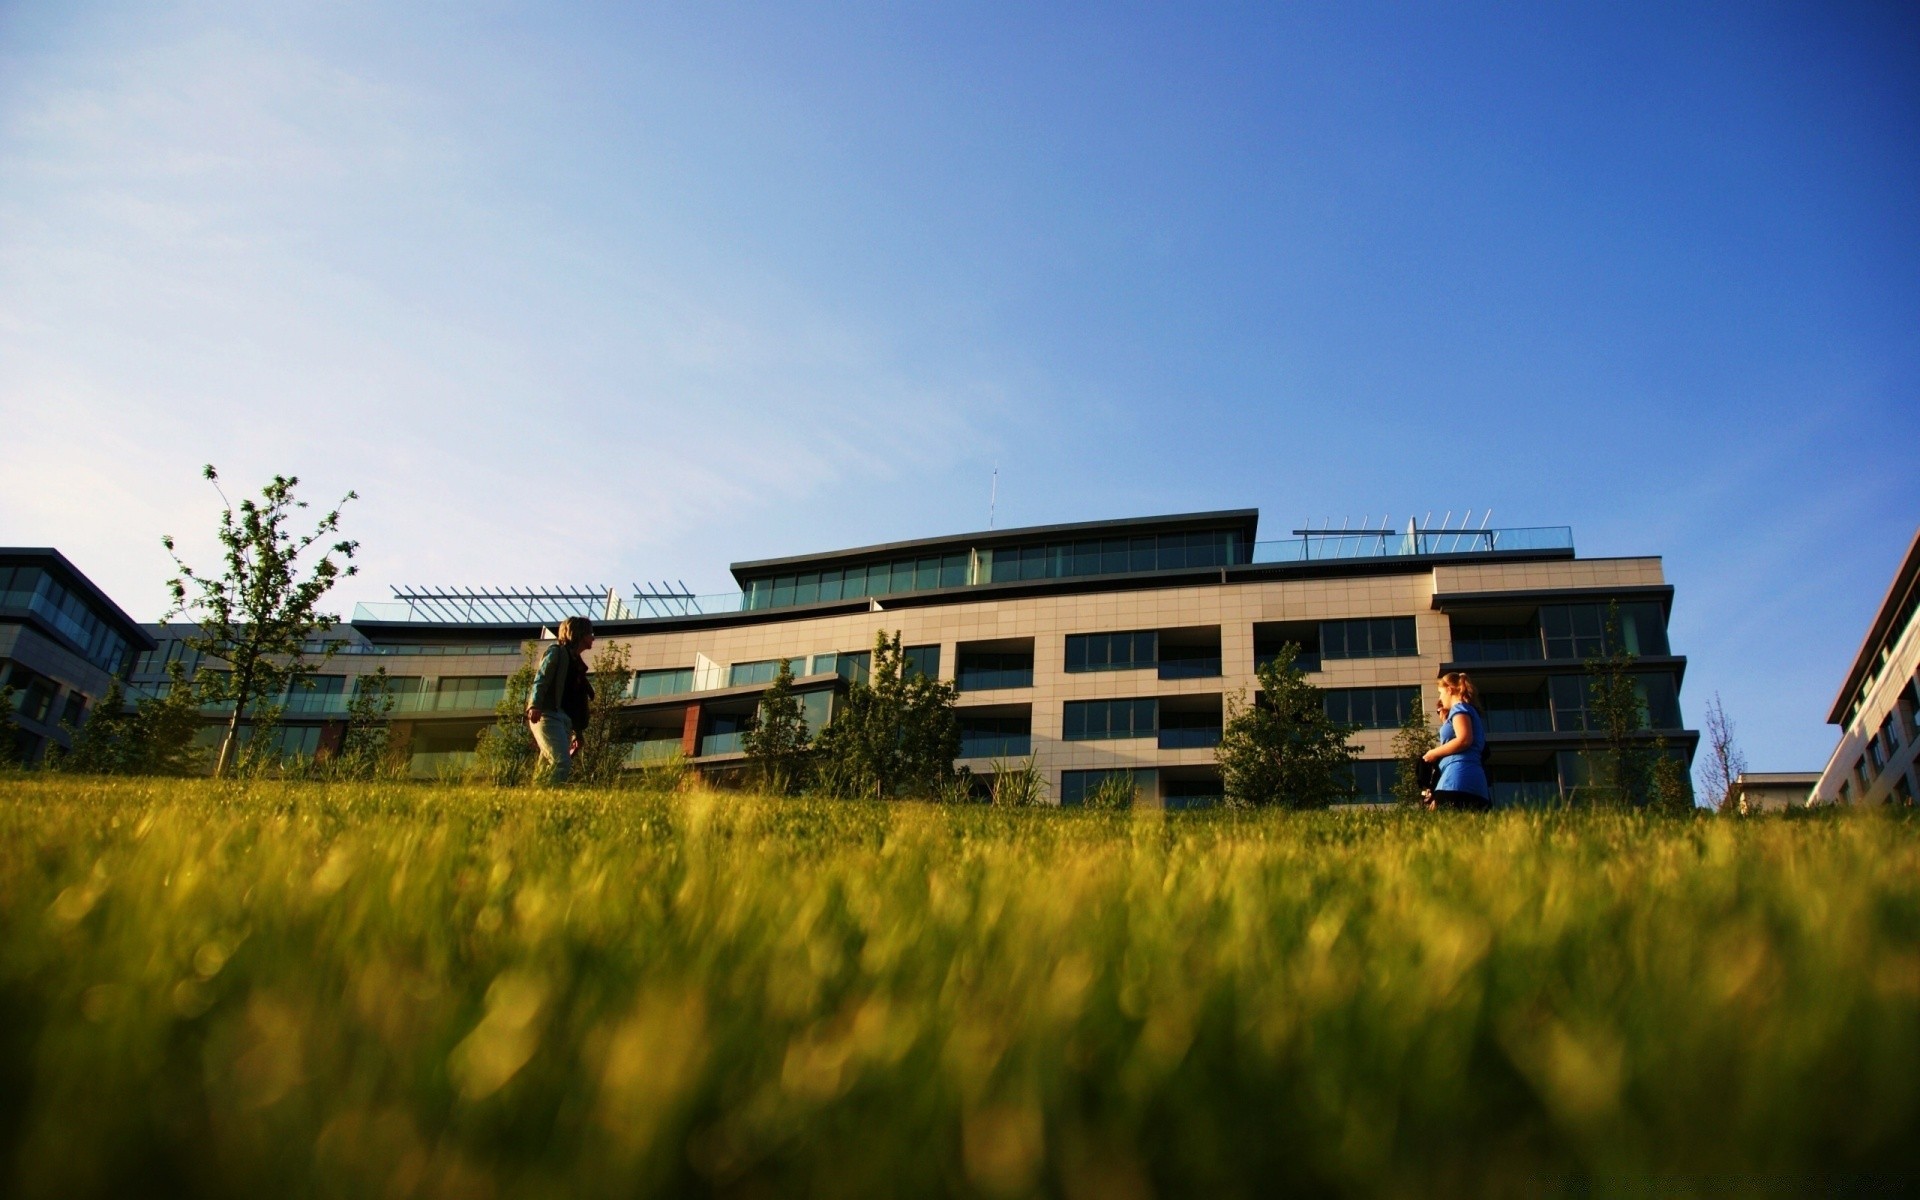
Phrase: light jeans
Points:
(553, 734)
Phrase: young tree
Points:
(1724, 763)
(506, 755)
(152, 737)
(608, 738)
(9, 729)
(1284, 749)
(776, 746)
(1414, 739)
(896, 735)
(1670, 789)
(1615, 704)
(258, 613)
(368, 744)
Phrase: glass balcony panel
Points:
(1190, 668)
(1189, 739)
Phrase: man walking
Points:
(559, 704)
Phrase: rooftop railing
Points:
(1307, 546)
(1316, 545)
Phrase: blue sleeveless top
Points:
(1464, 772)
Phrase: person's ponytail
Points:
(1461, 685)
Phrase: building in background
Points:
(62, 642)
(1096, 648)
(1772, 791)
(1878, 708)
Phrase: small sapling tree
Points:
(9, 729)
(776, 745)
(1410, 744)
(1724, 762)
(259, 612)
(1284, 749)
(366, 749)
(506, 755)
(608, 738)
(1615, 706)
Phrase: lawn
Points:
(289, 990)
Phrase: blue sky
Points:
(602, 295)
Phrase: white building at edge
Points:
(1878, 708)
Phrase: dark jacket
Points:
(560, 684)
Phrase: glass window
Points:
(1373, 780)
(981, 670)
(783, 591)
(474, 691)
(926, 575)
(1643, 628)
(764, 671)
(1099, 720)
(806, 589)
(953, 571)
(317, 694)
(1130, 651)
(995, 737)
(1075, 786)
(1368, 637)
(1371, 708)
(923, 660)
(854, 666)
(672, 681)
(853, 583)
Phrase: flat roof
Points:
(76, 579)
(1242, 520)
(1898, 603)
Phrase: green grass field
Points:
(292, 990)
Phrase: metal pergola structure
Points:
(542, 605)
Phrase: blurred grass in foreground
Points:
(387, 990)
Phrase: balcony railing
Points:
(986, 679)
(1189, 668)
(723, 743)
(1189, 739)
(1316, 545)
(1514, 649)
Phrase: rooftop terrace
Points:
(1139, 547)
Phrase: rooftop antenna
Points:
(993, 496)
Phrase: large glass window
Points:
(1001, 736)
(37, 591)
(1133, 651)
(1518, 712)
(1573, 702)
(1103, 720)
(923, 660)
(1371, 708)
(1497, 643)
(1075, 786)
(672, 681)
(471, 691)
(1368, 637)
(1580, 630)
(983, 670)
(1373, 780)
(1189, 729)
(317, 694)
(764, 671)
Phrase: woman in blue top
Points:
(1461, 781)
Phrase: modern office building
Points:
(61, 644)
(1109, 646)
(1878, 708)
